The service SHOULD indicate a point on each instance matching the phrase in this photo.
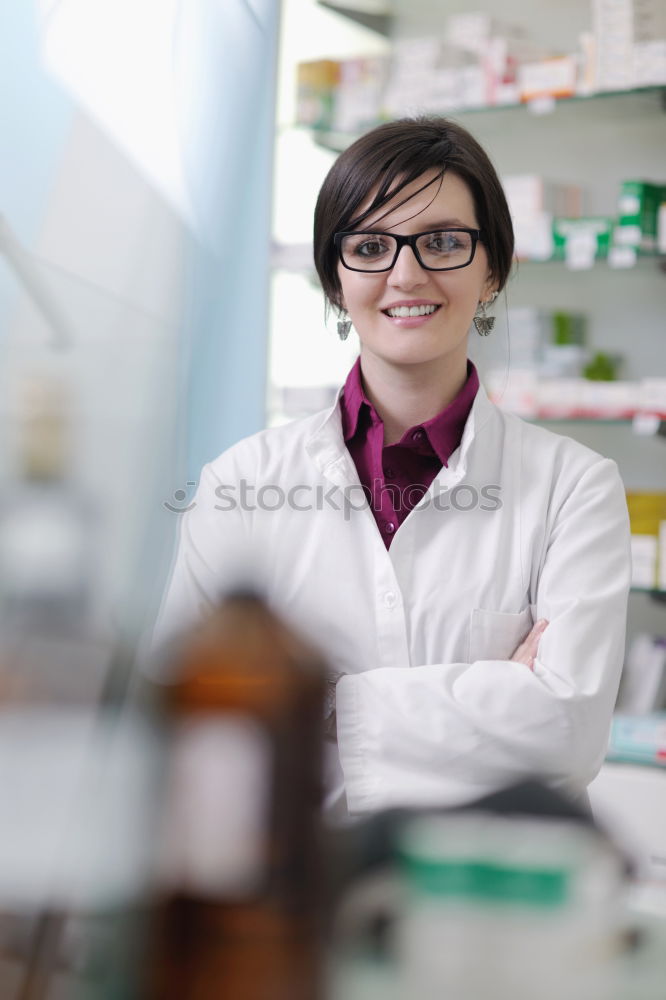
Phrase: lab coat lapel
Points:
(326, 448)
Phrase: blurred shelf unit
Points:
(374, 14)
(337, 140)
(475, 61)
(659, 424)
(470, 63)
(656, 595)
(629, 800)
(298, 257)
(541, 403)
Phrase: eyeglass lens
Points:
(442, 249)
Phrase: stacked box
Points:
(531, 193)
(612, 24)
(630, 40)
(650, 63)
(643, 683)
(533, 201)
(580, 241)
(473, 31)
(552, 343)
(360, 92)
(316, 84)
(649, 20)
(428, 74)
(502, 60)
(529, 331)
(413, 64)
(616, 399)
(514, 390)
(640, 738)
(649, 31)
(647, 515)
(639, 203)
(587, 63)
(652, 399)
(555, 77)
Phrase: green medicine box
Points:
(587, 237)
(638, 208)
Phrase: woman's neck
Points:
(406, 396)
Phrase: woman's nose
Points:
(407, 272)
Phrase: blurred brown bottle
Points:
(238, 913)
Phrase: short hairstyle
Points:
(387, 159)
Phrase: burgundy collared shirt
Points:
(397, 476)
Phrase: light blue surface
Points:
(35, 115)
(228, 148)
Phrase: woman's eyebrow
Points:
(431, 226)
(448, 224)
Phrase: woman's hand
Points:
(527, 650)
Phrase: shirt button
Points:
(390, 599)
(417, 436)
(389, 471)
(389, 527)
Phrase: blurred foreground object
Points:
(504, 908)
(46, 541)
(519, 895)
(237, 910)
(76, 770)
(80, 478)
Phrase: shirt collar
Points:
(443, 431)
(352, 399)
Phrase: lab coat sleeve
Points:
(441, 734)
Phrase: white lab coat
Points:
(431, 711)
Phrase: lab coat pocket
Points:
(495, 635)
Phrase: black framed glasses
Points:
(435, 250)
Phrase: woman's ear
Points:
(490, 288)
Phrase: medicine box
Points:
(316, 86)
(586, 238)
(647, 514)
(556, 77)
(638, 210)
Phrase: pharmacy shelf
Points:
(578, 418)
(642, 424)
(656, 595)
(338, 141)
(641, 258)
(629, 800)
(297, 257)
(373, 14)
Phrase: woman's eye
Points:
(370, 248)
(443, 242)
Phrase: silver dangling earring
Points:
(483, 323)
(344, 326)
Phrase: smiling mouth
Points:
(407, 312)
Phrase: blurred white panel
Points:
(304, 349)
(300, 168)
(105, 222)
(116, 59)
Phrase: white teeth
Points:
(402, 312)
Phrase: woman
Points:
(466, 573)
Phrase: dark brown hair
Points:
(386, 160)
